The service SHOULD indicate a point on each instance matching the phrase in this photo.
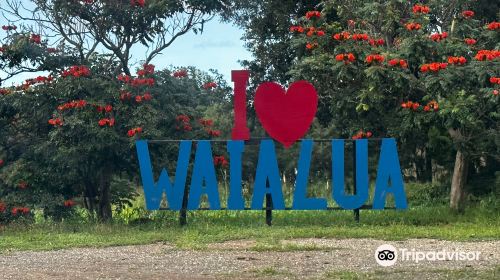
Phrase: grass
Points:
(396, 274)
(270, 272)
(217, 226)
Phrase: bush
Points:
(427, 194)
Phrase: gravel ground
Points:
(319, 258)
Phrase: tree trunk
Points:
(423, 166)
(89, 200)
(104, 212)
(458, 182)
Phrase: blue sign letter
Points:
(359, 198)
(235, 200)
(389, 170)
(154, 191)
(300, 199)
(267, 171)
(203, 174)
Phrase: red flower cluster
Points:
(410, 105)
(468, 14)
(210, 85)
(22, 185)
(9, 27)
(433, 105)
(4, 91)
(69, 203)
(470, 41)
(134, 131)
(125, 95)
(104, 122)
(493, 25)
(421, 9)
(374, 58)
(495, 92)
(214, 133)
(487, 55)
(360, 37)
(77, 104)
(398, 62)
(320, 33)
(146, 97)
(345, 57)
(38, 80)
(20, 210)
(313, 31)
(495, 80)
(433, 67)
(124, 78)
(342, 36)
(137, 3)
(296, 29)
(312, 45)
(438, 37)
(107, 108)
(29, 82)
(361, 134)
(457, 60)
(143, 82)
(413, 26)
(376, 42)
(147, 69)
(77, 71)
(137, 82)
(183, 122)
(37, 39)
(415, 106)
(56, 122)
(206, 123)
(313, 14)
(183, 118)
(220, 161)
(1, 162)
(180, 73)
(3, 207)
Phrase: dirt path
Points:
(298, 259)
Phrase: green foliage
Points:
(267, 25)
(427, 194)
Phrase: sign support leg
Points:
(356, 211)
(269, 207)
(183, 212)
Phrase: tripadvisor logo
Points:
(387, 255)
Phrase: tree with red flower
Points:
(455, 97)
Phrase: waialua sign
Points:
(286, 116)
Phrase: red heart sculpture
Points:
(286, 116)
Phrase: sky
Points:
(219, 47)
